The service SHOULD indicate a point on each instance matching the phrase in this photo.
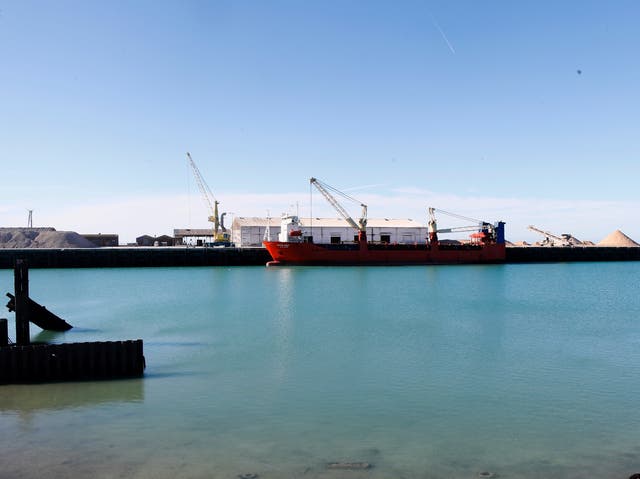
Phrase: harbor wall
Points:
(547, 254)
(122, 257)
(71, 361)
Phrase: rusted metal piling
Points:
(71, 361)
(21, 282)
(40, 316)
(4, 332)
(24, 362)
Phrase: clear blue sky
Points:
(526, 112)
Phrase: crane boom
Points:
(205, 191)
(324, 189)
(482, 228)
(458, 229)
(210, 202)
(545, 233)
(564, 240)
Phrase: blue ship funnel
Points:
(499, 232)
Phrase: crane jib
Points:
(324, 189)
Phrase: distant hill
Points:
(42, 238)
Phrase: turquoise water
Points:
(425, 372)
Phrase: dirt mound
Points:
(618, 239)
(42, 238)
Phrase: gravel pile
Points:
(41, 238)
(618, 239)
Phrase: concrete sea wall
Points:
(180, 256)
(545, 254)
(133, 257)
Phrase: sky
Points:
(525, 112)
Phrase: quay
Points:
(136, 257)
(123, 257)
(570, 254)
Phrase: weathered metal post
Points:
(21, 281)
(4, 332)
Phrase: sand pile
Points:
(618, 239)
(41, 238)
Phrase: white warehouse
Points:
(251, 231)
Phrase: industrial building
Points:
(251, 231)
(102, 240)
(146, 240)
(193, 236)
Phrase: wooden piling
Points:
(4, 332)
(21, 281)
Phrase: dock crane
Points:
(361, 225)
(484, 232)
(220, 235)
(550, 239)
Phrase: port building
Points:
(193, 236)
(102, 240)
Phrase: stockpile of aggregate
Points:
(618, 239)
(42, 238)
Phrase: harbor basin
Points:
(515, 370)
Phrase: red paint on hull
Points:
(381, 254)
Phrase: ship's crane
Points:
(361, 225)
(550, 239)
(220, 234)
(484, 232)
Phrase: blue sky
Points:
(525, 112)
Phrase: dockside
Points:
(124, 257)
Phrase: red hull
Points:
(380, 254)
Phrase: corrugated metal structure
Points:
(102, 240)
(35, 363)
(193, 236)
(251, 231)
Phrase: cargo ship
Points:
(485, 246)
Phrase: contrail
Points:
(444, 37)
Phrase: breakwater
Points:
(546, 254)
(133, 257)
(180, 256)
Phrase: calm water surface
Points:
(425, 372)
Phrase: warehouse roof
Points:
(181, 233)
(254, 221)
(329, 222)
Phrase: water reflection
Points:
(27, 399)
(283, 322)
